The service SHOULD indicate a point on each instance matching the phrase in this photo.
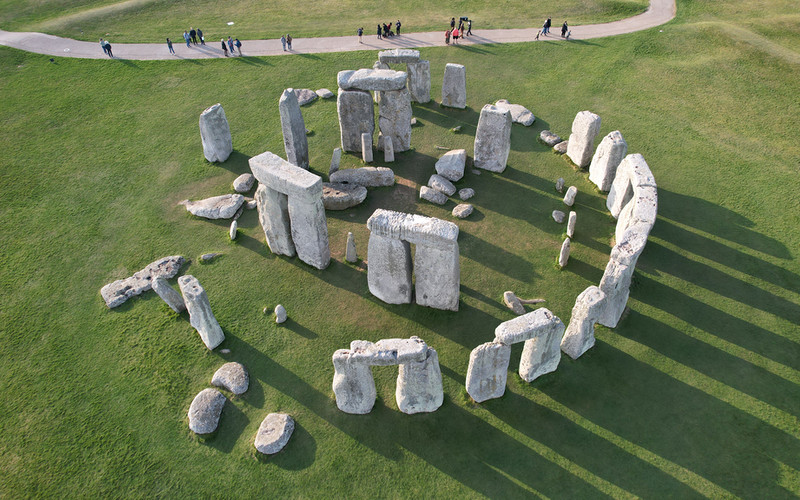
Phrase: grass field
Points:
(153, 20)
(696, 393)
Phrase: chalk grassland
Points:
(153, 20)
(695, 393)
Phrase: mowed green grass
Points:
(153, 20)
(695, 393)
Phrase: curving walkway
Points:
(658, 13)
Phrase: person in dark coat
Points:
(379, 31)
(452, 23)
(200, 36)
(169, 46)
(224, 46)
(193, 35)
(398, 27)
(564, 29)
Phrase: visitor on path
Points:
(238, 45)
(230, 46)
(283, 42)
(169, 46)
(103, 46)
(360, 32)
(200, 36)
(452, 23)
(537, 34)
(569, 33)
(193, 35)
(564, 29)
(456, 34)
(224, 47)
(379, 31)
(469, 27)
(108, 49)
(187, 38)
(546, 26)
(398, 27)
(447, 37)
(289, 41)
(460, 25)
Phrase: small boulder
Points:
(441, 184)
(558, 216)
(519, 113)
(208, 257)
(305, 96)
(325, 93)
(432, 195)
(413, 121)
(244, 183)
(451, 164)
(234, 228)
(549, 138)
(336, 196)
(462, 211)
(561, 147)
(205, 410)
(251, 204)
(560, 184)
(273, 433)
(233, 377)
(280, 314)
(216, 207)
(466, 193)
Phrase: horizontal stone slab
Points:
(526, 327)
(398, 56)
(364, 176)
(280, 175)
(388, 352)
(416, 229)
(372, 79)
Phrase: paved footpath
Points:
(658, 13)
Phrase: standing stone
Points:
(244, 183)
(215, 134)
(200, 315)
(585, 128)
(294, 129)
(419, 81)
(563, 256)
(419, 385)
(205, 410)
(441, 184)
(356, 117)
(571, 224)
(394, 119)
(280, 314)
(233, 377)
(388, 149)
(438, 276)
(493, 139)
(273, 433)
(542, 353)
(606, 159)
(579, 336)
(389, 269)
(335, 160)
(569, 198)
(168, 294)
(232, 231)
(353, 384)
(454, 86)
(366, 147)
(451, 164)
(350, 252)
(488, 371)
(273, 213)
(560, 184)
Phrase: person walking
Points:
(289, 41)
(169, 46)
(564, 29)
(187, 38)
(283, 42)
(230, 46)
(469, 27)
(224, 47)
(379, 31)
(193, 35)
(200, 36)
(456, 34)
(546, 26)
(238, 45)
(360, 32)
(447, 37)
(108, 49)
(103, 46)
(452, 23)
(398, 27)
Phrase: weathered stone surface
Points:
(119, 291)
(419, 81)
(337, 196)
(280, 314)
(233, 229)
(233, 377)
(606, 159)
(216, 207)
(353, 384)
(419, 385)
(463, 210)
(441, 184)
(325, 93)
(244, 183)
(294, 129)
(366, 147)
(273, 214)
(488, 371)
(398, 56)
(519, 114)
(350, 254)
(466, 193)
(372, 79)
(365, 176)
(416, 229)
(585, 128)
(561, 147)
(438, 276)
(250, 203)
(549, 138)
(615, 284)
(305, 96)
(560, 184)
(205, 410)
(394, 119)
(569, 198)
(215, 134)
(273, 433)
(492, 139)
(336, 158)
(454, 86)
(356, 117)
(579, 336)
(512, 302)
(389, 269)
(380, 65)
(432, 195)
(200, 315)
(632, 173)
(558, 216)
(451, 164)
(640, 211)
(388, 352)
(573, 217)
(168, 294)
(388, 148)
(542, 353)
(563, 255)
(525, 327)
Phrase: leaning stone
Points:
(451, 164)
(542, 353)
(571, 224)
(585, 128)
(563, 255)
(394, 119)
(512, 302)
(558, 216)
(294, 129)
(398, 56)
(560, 184)
(280, 314)
(466, 193)
(488, 371)
(463, 210)
(233, 377)
(350, 254)
(205, 410)
(606, 159)
(561, 147)
(439, 183)
(372, 79)
(342, 196)
(419, 385)
(273, 433)
(519, 114)
(356, 117)
(119, 291)
(432, 195)
(454, 86)
(579, 336)
(353, 384)
(215, 134)
(549, 138)
(168, 294)
(419, 81)
(388, 149)
(365, 176)
(366, 147)
(336, 158)
(325, 93)
(244, 183)
(305, 96)
(200, 315)
(569, 198)
(232, 231)
(216, 207)
(492, 139)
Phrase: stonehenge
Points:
(606, 159)
(454, 86)
(294, 129)
(493, 139)
(215, 133)
(585, 128)
(200, 315)
(419, 379)
(291, 209)
(436, 264)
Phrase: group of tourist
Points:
(463, 30)
(286, 40)
(565, 32)
(384, 30)
(192, 37)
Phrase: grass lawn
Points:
(695, 393)
(153, 20)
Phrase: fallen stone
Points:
(216, 207)
(456, 129)
(549, 138)
(207, 257)
(305, 96)
(512, 302)
(224, 351)
(561, 147)
(560, 184)
(280, 314)
(238, 213)
(463, 210)
(350, 254)
(569, 198)
(244, 183)
(419, 81)
(365, 176)
(356, 117)
(558, 216)
(337, 196)
(293, 127)
(119, 291)
(233, 377)
(336, 158)
(519, 114)
(432, 195)
(606, 159)
(325, 93)
(366, 147)
(488, 371)
(273, 433)
(571, 224)
(398, 56)
(454, 86)
(451, 164)
(372, 79)
(585, 128)
(563, 255)
(251, 204)
(492, 139)
(168, 294)
(200, 315)
(466, 193)
(233, 229)
(441, 184)
(215, 133)
(419, 385)
(526, 327)
(205, 410)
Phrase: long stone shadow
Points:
(448, 118)
(495, 257)
(237, 162)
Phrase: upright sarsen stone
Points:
(438, 276)
(585, 128)
(606, 159)
(488, 371)
(419, 81)
(579, 336)
(493, 139)
(389, 269)
(200, 315)
(294, 129)
(394, 119)
(356, 117)
(454, 86)
(215, 134)
(353, 384)
(419, 385)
